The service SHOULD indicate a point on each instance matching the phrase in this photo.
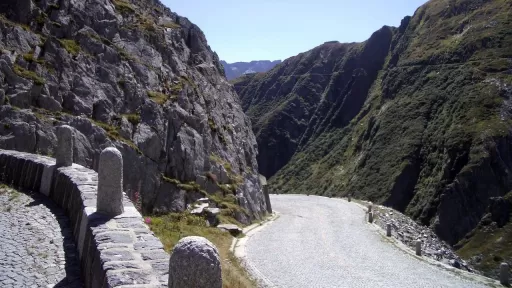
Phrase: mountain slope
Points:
(130, 74)
(420, 123)
(237, 69)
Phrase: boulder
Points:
(195, 262)
(198, 208)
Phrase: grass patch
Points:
(71, 46)
(41, 18)
(171, 228)
(24, 73)
(170, 180)
(13, 194)
(492, 244)
(132, 118)
(123, 6)
(113, 133)
(158, 97)
(29, 57)
(172, 25)
(190, 186)
(4, 20)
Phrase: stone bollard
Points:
(195, 262)
(267, 199)
(370, 206)
(349, 198)
(504, 274)
(110, 182)
(418, 247)
(370, 217)
(388, 230)
(64, 153)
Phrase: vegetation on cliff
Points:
(130, 74)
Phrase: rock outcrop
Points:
(134, 75)
(417, 117)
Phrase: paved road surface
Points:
(321, 242)
(36, 244)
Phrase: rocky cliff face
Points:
(418, 117)
(237, 69)
(130, 74)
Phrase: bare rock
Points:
(231, 228)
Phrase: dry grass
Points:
(171, 228)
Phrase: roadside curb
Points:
(238, 246)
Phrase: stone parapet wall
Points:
(114, 251)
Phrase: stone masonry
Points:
(113, 251)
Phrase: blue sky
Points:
(246, 30)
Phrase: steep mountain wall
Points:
(133, 74)
(418, 117)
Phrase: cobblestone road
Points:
(36, 244)
(321, 242)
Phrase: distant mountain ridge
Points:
(237, 69)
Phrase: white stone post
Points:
(64, 153)
(267, 199)
(418, 247)
(370, 217)
(110, 182)
(195, 262)
(388, 230)
(504, 274)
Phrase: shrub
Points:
(132, 118)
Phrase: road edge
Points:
(238, 248)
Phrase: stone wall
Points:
(113, 251)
